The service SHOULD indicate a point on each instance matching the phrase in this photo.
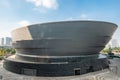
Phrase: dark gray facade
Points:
(56, 68)
(60, 48)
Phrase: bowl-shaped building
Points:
(65, 41)
(69, 38)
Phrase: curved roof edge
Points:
(51, 22)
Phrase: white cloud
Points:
(70, 18)
(83, 16)
(24, 23)
(50, 4)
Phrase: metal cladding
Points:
(69, 38)
(59, 44)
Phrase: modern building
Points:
(1, 41)
(60, 48)
(6, 41)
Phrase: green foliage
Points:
(6, 51)
(116, 49)
(12, 51)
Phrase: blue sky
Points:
(17, 13)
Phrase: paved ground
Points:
(99, 75)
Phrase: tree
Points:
(6, 52)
